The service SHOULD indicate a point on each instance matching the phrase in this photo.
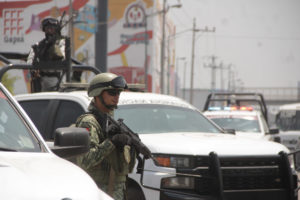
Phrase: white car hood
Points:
(204, 143)
(36, 176)
(251, 135)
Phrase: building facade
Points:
(134, 30)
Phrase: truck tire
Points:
(134, 192)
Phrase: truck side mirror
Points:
(274, 131)
(71, 141)
(230, 131)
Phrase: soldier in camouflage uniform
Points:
(51, 48)
(110, 157)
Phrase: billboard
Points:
(132, 46)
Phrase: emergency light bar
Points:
(231, 108)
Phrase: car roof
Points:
(152, 98)
(126, 98)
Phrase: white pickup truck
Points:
(196, 159)
(28, 168)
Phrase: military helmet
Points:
(50, 22)
(105, 81)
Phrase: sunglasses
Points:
(113, 92)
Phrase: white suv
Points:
(195, 158)
(28, 169)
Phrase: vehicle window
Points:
(288, 120)
(145, 119)
(14, 134)
(239, 123)
(67, 113)
(36, 110)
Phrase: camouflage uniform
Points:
(104, 162)
(55, 52)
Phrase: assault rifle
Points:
(139, 146)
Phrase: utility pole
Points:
(162, 53)
(146, 52)
(101, 36)
(193, 56)
(184, 79)
(213, 67)
(176, 72)
(168, 66)
(229, 77)
(192, 62)
(71, 30)
(163, 12)
(221, 77)
(71, 37)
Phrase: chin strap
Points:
(110, 107)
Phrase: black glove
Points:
(113, 130)
(141, 148)
(120, 140)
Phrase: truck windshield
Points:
(152, 118)
(288, 120)
(239, 123)
(14, 134)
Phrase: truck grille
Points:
(238, 173)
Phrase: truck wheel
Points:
(135, 193)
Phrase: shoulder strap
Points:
(94, 122)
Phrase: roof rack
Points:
(235, 98)
(7, 57)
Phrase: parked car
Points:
(28, 168)
(246, 113)
(195, 159)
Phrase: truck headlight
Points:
(173, 161)
(178, 183)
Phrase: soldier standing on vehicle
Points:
(110, 158)
(51, 51)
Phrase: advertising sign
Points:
(128, 36)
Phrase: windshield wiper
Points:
(6, 149)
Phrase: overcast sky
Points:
(260, 38)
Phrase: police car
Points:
(245, 113)
(194, 158)
(244, 120)
(29, 169)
